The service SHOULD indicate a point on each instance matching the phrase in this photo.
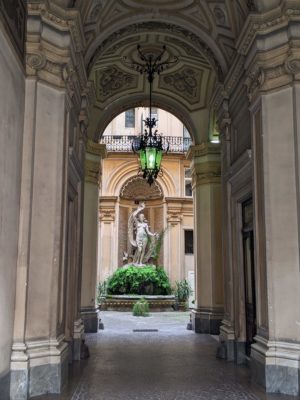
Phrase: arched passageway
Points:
(64, 80)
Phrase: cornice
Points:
(273, 69)
(203, 149)
(96, 149)
(268, 22)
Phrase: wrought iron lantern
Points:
(149, 144)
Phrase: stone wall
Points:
(12, 89)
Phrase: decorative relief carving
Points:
(220, 16)
(107, 209)
(186, 82)
(111, 80)
(254, 82)
(14, 14)
(272, 20)
(36, 61)
(95, 11)
(292, 65)
(137, 188)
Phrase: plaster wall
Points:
(12, 89)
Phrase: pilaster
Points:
(108, 247)
(174, 219)
(206, 172)
(56, 80)
(94, 154)
(273, 75)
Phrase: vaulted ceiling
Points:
(201, 33)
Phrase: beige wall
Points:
(12, 89)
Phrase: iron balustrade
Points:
(123, 143)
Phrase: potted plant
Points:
(182, 293)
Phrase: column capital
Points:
(107, 209)
(174, 210)
(95, 152)
(203, 149)
(96, 149)
(206, 165)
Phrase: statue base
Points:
(126, 302)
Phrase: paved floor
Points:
(170, 364)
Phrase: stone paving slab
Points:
(171, 363)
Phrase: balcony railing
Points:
(177, 144)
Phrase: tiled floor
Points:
(170, 364)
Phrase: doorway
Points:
(249, 274)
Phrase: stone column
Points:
(206, 171)
(108, 257)
(175, 268)
(275, 355)
(41, 350)
(89, 312)
(274, 95)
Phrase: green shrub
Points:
(143, 281)
(101, 291)
(141, 308)
(182, 290)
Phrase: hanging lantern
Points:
(149, 144)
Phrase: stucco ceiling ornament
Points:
(112, 80)
(254, 82)
(185, 82)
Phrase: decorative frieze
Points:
(203, 149)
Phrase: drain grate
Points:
(145, 330)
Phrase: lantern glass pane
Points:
(151, 153)
(143, 159)
(158, 158)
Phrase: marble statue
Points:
(144, 241)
